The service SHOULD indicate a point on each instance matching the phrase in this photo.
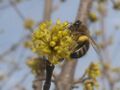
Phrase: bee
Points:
(80, 30)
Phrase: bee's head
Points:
(77, 23)
(75, 26)
(79, 27)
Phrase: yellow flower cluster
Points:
(93, 71)
(52, 40)
(36, 64)
(93, 17)
(90, 85)
(28, 23)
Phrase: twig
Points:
(19, 13)
(81, 79)
(47, 10)
(13, 47)
(37, 83)
(17, 10)
(49, 71)
(4, 7)
(8, 5)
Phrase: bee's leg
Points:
(49, 72)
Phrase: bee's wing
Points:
(96, 47)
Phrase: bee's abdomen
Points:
(81, 51)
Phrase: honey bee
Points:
(79, 30)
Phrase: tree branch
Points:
(65, 80)
(47, 10)
(49, 72)
(83, 10)
(17, 10)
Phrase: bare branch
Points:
(47, 10)
(83, 10)
(67, 75)
(4, 7)
(17, 10)
(49, 71)
(81, 79)
(13, 47)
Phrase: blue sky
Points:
(13, 30)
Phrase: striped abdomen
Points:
(80, 50)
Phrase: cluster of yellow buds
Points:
(90, 85)
(93, 71)
(29, 23)
(92, 17)
(53, 41)
(36, 64)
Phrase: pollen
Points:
(83, 38)
(28, 23)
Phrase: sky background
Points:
(12, 30)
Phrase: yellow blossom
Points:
(36, 64)
(93, 71)
(52, 40)
(55, 38)
(93, 17)
(27, 44)
(28, 23)
(52, 43)
(88, 85)
(58, 22)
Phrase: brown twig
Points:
(13, 47)
(17, 10)
(81, 79)
(47, 10)
(4, 7)
(49, 71)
